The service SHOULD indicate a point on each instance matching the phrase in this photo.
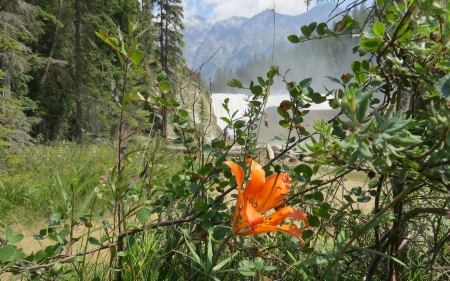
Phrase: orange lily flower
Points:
(260, 195)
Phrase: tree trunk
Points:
(53, 47)
(79, 114)
(163, 65)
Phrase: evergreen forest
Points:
(60, 82)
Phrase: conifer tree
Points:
(170, 43)
(19, 27)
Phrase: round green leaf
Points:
(371, 44)
(306, 31)
(318, 196)
(239, 124)
(379, 29)
(161, 76)
(240, 141)
(165, 86)
(183, 113)
(293, 39)
(313, 220)
(307, 234)
(322, 28)
(200, 206)
(194, 187)
(219, 232)
(206, 224)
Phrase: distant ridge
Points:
(238, 39)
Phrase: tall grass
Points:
(30, 188)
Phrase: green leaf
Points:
(284, 123)
(443, 87)
(270, 267)
(143, 215)
(305, 83)
(137, 57)
(312, 26)
(321, 212)
(14, 239)
(234, 83)
(356, 66)
(318, 196)
(365, 65)
(55, 269)
(364, 199)
(259, 264)
(246, 271)
(333, 79)
(318, 98)
(379, 29)
(194, 187)
(206, 224)
(322, 29)
(257, 90)
(222, 264)
(353, 158)
(161, 76)
(334, 103)
(304, 170)
(239, 124)
(340, 242)
(313, 221)
(7, 252)
(306, 31)
(307, 234)
(200, 206)
(293, 39)
(103, 35)
(240, 141)
(165, 86)
(183, 113)
(283, 113)
(371, 44)
(93, 241)
(226, 120)
(219, 232)
(261, 81)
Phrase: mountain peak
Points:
(231, 42)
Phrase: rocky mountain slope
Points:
(234, 41)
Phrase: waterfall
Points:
(238, 102)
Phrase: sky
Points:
(216, 10)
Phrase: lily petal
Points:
(287, 228)
(284, 213)
(252, 216)
(237, 171)
(257, 181)
(273, 193)
(239, 175)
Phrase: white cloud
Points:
(190, 8)
(223, 9)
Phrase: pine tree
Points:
(170, 43)
(19, 27)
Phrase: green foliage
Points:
(373, 180)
